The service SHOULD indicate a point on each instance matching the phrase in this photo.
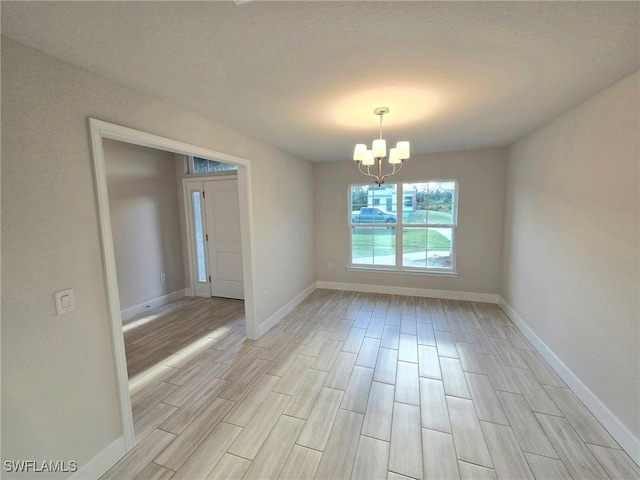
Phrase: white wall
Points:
(570, 265)
(58, 382)
(481, 177)
(145, 221)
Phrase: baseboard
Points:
(131, 312)
(279, 315)
(188, 292)
(618, 430)
(412, 292)
(102, 462)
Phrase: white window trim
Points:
(398, 268)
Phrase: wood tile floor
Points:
(353, 385)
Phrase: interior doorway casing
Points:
(98, 130)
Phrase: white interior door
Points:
(222, 219)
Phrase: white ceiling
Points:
(305, 76)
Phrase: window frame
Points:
(399, 227)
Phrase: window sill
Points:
(434, 273)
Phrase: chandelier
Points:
(378, 151)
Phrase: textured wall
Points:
(570, 267)
(481, 177)
(58, 382)
(145, 221)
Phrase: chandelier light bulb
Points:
(379, 148)
(360, 152)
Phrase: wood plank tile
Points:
(493, 328)
(575, 455)
(287, 356)
(316, 343)
(467, 434)
(208, 453)
(508, 459)
(341, 372)
(375, 328)
(535, 394)
(545, 468)
(433, 406)
(485, 399)
(459, 331)
(385, 371)
(362, 319)
(469, 471)
(340, 451)
(202, 385)
(354, 340)
(229, 467)
(292, 378)
(446, 345)
(143, 426)
(517, 339)
(357, 392)
(408, 348)
(341, 332)
(382, 305)
(372, 459)
(327, 357)
(242, 383)
(317, 428)
(272, 457)
(256, 431)
(408, 325)
(140, 456)
(405, 454)
(455, 383)
(501, 378)
(616, 462)
(580, 418)
(242, 412)
(397, 476)
(390, 337)
(304, 398)
(177, 453)
(541, 369)
(439, 455)
(525, 426)
(301, 464)
(469, 358)
(155, 472)
(368, 352)
(429, 362)
(379, 412)
(509, 354)
(145, 403)
(482, 341)
(426, 335)
(407, 384)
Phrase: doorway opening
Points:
(100, 130)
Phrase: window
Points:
(199, 236)
(404, 226)
(202, 165)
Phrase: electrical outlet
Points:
(265, 295)
(162, 277)
(329, 266)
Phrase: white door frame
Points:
(98, 130)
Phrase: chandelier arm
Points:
(393, 172)
(367, 173)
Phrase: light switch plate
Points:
(65, 301)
